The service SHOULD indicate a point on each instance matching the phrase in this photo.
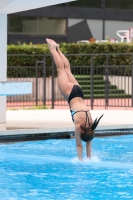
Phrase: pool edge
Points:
(18, 135)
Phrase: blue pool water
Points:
(50, 170)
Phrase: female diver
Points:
(72, 92)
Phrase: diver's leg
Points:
(67, 68)
(63, 81)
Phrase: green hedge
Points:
(34, 52)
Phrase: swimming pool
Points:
(49, 169)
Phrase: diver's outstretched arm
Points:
(88, 149)
(78, 143)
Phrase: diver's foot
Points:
(52, 45)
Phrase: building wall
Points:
(96, 27)
(111, 27)
(81, 24)
(81, 29)
(78, 29)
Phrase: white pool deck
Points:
(48, 120)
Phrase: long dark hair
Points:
(88, 133)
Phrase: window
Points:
(36, 25)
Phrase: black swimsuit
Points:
(76, 92)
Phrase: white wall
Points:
(72, 22)
(3, 62)
(3, 46)
(96, 28)
(122, 83)
(112, 26)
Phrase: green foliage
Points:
(27, 55)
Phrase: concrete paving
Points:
(47, 121)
